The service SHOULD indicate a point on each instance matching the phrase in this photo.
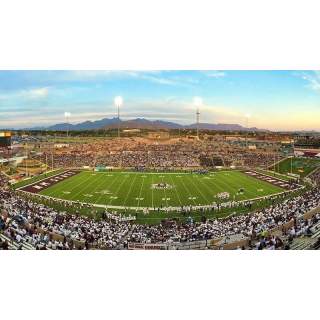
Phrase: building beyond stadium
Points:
(5, 139)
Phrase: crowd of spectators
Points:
(139, 152)
(249, 225)
(23, 220)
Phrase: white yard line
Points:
(140, 192)
(214, 185)
(165, 194)
(132, 183)
(152, 202)
(73, 196)
(120, 185)
(190, 195)
(100, 184)
(66, 182)
(173, 186)
(199, 191)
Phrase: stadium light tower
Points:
(67, 115)
(293, 154)
(118, 101)
(197, 101)
(248, 116)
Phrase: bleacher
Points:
(305, 243)
(316, 230)
(302, 243)
(13, 245)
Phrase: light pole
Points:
(118, 101)
(197, 101)
(248, 116)
(67, 115)
(293, 154)
(26, 156)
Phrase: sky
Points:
(275, 100)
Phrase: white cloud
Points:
(36, 93)
(313, 80)
(88, 74)
(159, 78)
(154, 76)
(214, 74)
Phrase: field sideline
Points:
(141, 190)
(300, 166)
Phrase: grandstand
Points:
(31, 167)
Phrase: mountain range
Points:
(141, 123)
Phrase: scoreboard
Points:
(5, 139)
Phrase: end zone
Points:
(45, 183)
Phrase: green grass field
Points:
(130, 189)
(301, 166)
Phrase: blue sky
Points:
(280, 100)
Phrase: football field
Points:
(301, 166)
(154, 190)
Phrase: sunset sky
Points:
(276, 100)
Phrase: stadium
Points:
(139, 192)
(153, 184)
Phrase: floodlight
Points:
(118, 101)
(197, 101)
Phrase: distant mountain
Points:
(159, 124)
(222, 127)
(87, 125)
(142, 123)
